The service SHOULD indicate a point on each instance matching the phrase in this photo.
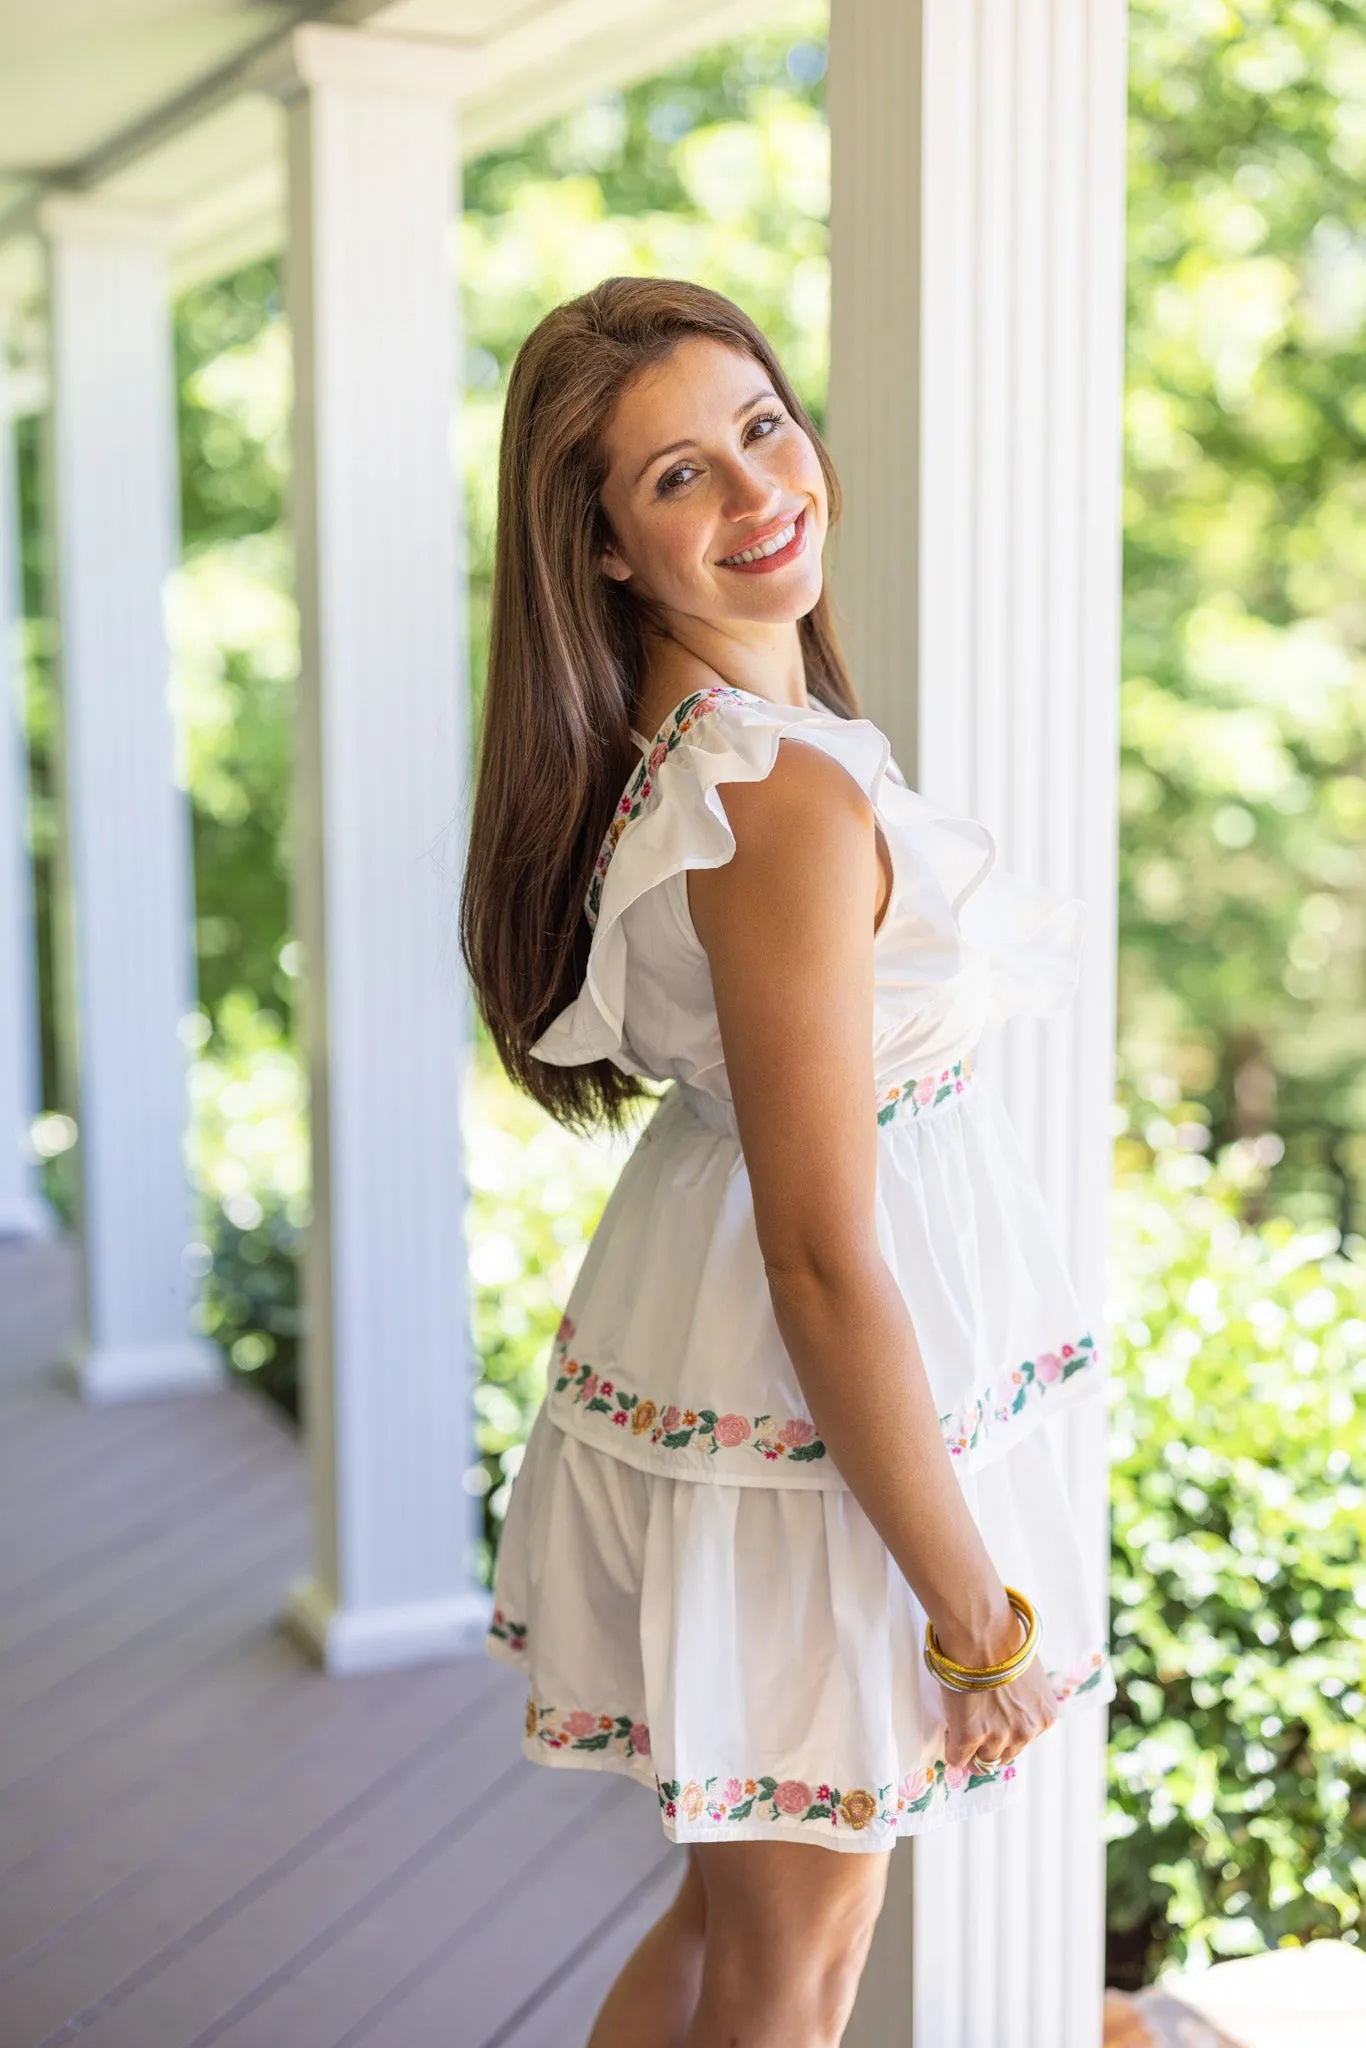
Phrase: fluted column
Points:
(977, 227)
(23, 1212)
(116, 534)
(382, 762)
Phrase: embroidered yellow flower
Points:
(531, 1717)
(858, 1808)
(642, 1416)
(693, 1799)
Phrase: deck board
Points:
(202, 1839)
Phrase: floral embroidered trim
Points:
(513, 1633)
(911, 1098)
(730, 1801)
(964, 1426)
(680, 1429)
(774, 1799)
(637, 792)
(608, 1734)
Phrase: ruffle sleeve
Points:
(671, 817)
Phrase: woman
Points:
(790, 1458)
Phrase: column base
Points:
(137, 1372)
(385, 1638)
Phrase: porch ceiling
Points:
(158, 104)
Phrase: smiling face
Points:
(713, 492)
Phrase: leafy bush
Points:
(1237, 1754)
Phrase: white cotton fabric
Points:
(762, 1636)
(694, 1593)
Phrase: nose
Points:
(750, 490)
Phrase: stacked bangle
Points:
(985, 1677)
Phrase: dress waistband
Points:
(898, 1101)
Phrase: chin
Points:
(781, 607)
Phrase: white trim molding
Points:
(116, 533)
(317, 56)
(382, 770)
(977, 234)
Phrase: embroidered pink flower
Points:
(924, 1092)
(640, 1739)
(605, 1388)
(735, 1791)
(620, 1418)
(661, 753)
(671, 1418)
(589, 1386)
(731, 1430)
(792, 1796)
(796, 1431)
(1048, 1367)
(956, 1776)
(579, 1724)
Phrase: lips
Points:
(763, 564)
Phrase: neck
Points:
(689, 653)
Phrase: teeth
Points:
(765, 548)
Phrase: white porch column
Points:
(382, 766)
(977, 228)
(117, 538)
(23, 1212)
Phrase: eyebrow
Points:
(674, 446)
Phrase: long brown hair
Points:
(567, 654)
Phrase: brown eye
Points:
(673, 478)
(766, 419)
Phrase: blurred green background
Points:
(1237, 1785)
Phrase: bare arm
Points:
(787, 925)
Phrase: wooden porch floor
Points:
(203, 1840)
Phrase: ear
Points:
(613, 566)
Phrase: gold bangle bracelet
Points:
(1027, 1615)
(981, 1678)
(953, 1684)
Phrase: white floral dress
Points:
(696, 1597)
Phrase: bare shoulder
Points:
(806, 831)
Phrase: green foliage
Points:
(230, 349)
(248, 1150)
(234, 632)
(1237, 1751)
(1244, 711)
